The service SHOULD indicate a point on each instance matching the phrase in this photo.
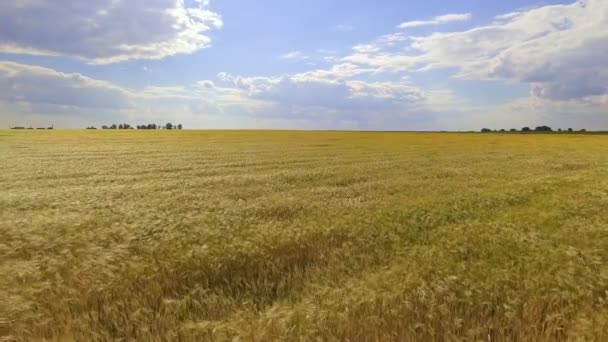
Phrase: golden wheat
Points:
(263, 236)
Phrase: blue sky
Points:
(387, 64)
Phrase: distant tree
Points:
(583, 130)
(543, 129)
(169, 126)
(120, 126)
(179, 126)
(513, 130)
(570, 130)
(113, 126)
(126, 126)
(503, 130)
(526, 129)
(486, 130)
(559, 129)
(104, 127)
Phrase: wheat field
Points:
(302, 236)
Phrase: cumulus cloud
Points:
(439, 20)
(336, 72)
(38, 85)
(559, 50)
(331, 97)
(398, 91)
(336, 93)
(106, 31)
(41, 96)
(193, 104)
(38, 96)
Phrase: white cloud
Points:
(508, 16)
(39, 96)
(106, 31)
(203, 104)
(335, 73)
(334, 95)
(38, 85)
(439, 20)
(558, 50)
(392, 39)
(294, 56)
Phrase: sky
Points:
(315, 64)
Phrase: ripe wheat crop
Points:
(306, 236)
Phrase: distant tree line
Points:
(23, 127)
(528, 129)
(168, 125)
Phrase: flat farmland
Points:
(310, 236)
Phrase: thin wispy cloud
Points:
(294, 56)
(439, 20)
